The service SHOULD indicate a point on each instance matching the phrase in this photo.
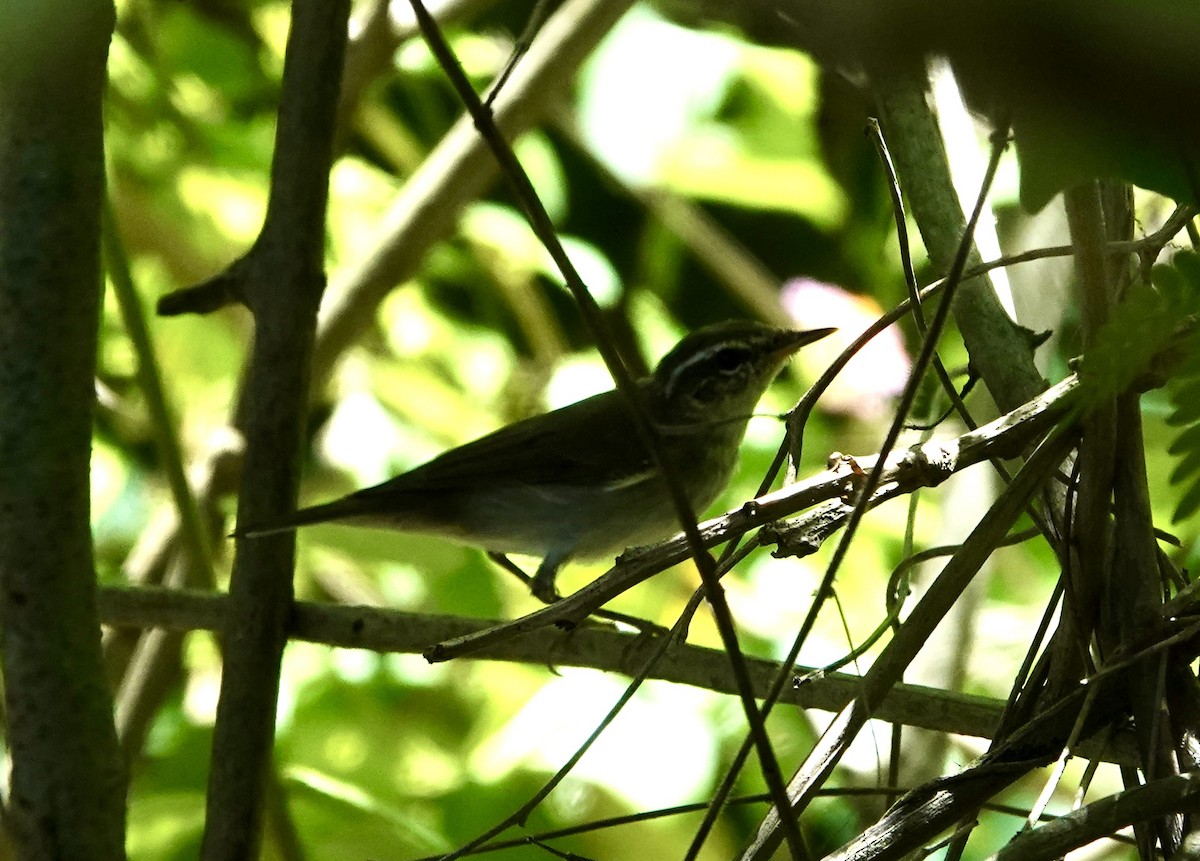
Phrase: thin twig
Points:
(540, 222)
(162, 416)
(940, 318)
(536, 18)
(910, 274)
(921, 815)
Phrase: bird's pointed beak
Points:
(790, 342)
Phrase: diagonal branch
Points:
(542, 226)
(921, 466)
(890, 665)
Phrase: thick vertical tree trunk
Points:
(68, 786)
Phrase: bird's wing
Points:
(577, 449)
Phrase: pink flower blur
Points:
(865, 388)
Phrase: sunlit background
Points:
(669, 140)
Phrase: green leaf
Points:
(1179, 284)
(1060, 150)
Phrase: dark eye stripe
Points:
(713, 356)
(721, 357)
(731, 358)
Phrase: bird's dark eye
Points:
(730, 359)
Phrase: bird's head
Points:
(719, 373)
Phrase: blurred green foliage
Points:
(384, 756)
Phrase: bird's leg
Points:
(640, 625)
(542, 586)
(511, 567)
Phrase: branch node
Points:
(212, 294)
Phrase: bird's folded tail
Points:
(346, 508)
